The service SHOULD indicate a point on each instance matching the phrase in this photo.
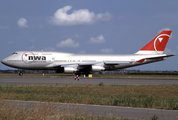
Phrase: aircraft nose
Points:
(4, 61)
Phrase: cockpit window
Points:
(14, 53)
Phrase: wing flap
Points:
(115, 63)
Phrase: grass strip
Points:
(144, 96)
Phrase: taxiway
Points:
(90, 81)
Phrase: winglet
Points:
(157, 44)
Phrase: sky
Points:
(88, 27)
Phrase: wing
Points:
(86, 67)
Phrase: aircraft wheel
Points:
(78, 73)
(20, 73)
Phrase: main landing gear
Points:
(20, 73)
(78, 74)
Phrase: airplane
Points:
(88, 63)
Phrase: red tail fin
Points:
(157, 44)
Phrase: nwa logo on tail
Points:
(29, 57)
(160, 42)
(157, 44)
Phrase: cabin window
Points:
(14, 53)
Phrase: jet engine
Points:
(66, 70)
(97, 68)
(70, 70)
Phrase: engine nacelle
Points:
(66, 70)
(60, 70)
(69, 70)
(97, 68)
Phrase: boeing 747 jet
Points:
(87, 63)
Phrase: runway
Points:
(90, 81)
(98, 110)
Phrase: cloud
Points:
(68, 43)
(10, 42)
(107, 50)
(99, 39)
(32, 40)
(77, 36)
(77, 17)
(3, 27)
(22, 22)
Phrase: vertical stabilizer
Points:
(157, 44)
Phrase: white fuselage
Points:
(42, 60)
